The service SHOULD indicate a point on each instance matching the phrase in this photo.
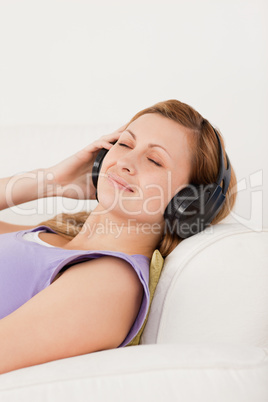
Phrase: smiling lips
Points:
(120, 182)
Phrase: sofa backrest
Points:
(213, 288)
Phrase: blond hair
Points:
(205, 169)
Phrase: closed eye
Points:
(151, 160)
(156, 163)
(123, 145)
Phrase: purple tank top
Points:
(27, 267)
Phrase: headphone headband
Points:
(224, 173)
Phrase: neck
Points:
(107, 231)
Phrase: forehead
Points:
(154, 128)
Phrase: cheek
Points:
(156, 194)
(161, 188)
(107, 161)
(111, 158)
(162, 184)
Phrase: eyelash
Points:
(151, 160)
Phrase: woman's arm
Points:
(22, 188)
(91, 307)
(71, 178)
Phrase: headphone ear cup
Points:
(97, 166)
(190, 210)
(181, 208)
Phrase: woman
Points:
(86, 288)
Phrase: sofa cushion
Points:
(186, 372)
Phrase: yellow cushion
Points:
(156, 266)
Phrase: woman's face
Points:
(152, 161)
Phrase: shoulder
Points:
(109, 277)
(109, 294)
(9, 227)
(114, 271)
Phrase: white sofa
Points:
(206, 339)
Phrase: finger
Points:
(110, 137)
(122, 128)
(97, 145)
(105, 140)
(115, 134)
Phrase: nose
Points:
(127, 163)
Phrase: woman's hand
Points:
(72, 178)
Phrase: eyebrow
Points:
(150, 145)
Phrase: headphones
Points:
(193, 208)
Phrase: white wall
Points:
(66, 63)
